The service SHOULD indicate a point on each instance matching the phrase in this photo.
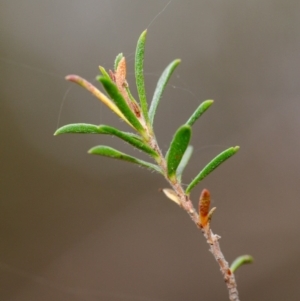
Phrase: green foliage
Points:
(200, 110)
(177, 149)
(161, 85)
(127, 108)
(83, 128)
(78, 128)
(139, 73)
(136, 114)
(241, 260)
(184, 161)
(121, 103)
(212, 165)
(115, 154)
(104, 72)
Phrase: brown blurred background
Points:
(80, 227)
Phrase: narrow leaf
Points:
(113, 153)
(104, 72)
(160, 87)
(184, 161)
(77, 128)
(241, 260)
(92, 89)
(129, 138)
(212, 165)
(177, 149)
(200, 110)
(117, 60)
(119, 100)
(139, 73)
(83, 128)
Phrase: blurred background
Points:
(80, 227)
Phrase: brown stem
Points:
(211, 238)
(213, 241)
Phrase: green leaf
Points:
(200, 110)
(139, 74)
(177, 149)
(77, 128)
(84, 128)
(184, 161)
(117, 60)
(212, 165)
(129, 138)
(241, 260)
(160, 87)
(113, 153)
(119, 100)
(104, 72)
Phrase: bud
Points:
(204, 205)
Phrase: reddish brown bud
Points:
(204, 204)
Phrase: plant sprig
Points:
(172, 165)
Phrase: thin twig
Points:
(211, 238)
(213, 241)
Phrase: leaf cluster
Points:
(141, 118)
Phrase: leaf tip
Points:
(236, 148)
(241, 260)
(60, 131)
(202, 108)
(119, 57)
(103, 71)
(76, 79)
(91, 151)
(69, 77)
